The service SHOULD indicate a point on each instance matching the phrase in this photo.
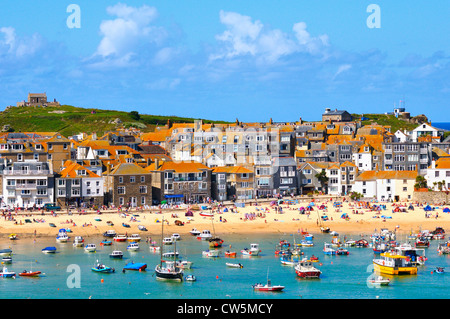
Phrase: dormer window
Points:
(81, 172)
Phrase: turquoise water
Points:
(342, 277)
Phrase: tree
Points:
(323, 178)
(135, 115)
(421, 182)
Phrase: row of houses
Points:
(197, 162)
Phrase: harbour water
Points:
(68, 275)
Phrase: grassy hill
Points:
(69, 120)
(386, 119)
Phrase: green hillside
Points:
(69, 120)
(386, 119)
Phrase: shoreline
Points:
(263, 218)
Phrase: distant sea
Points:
(442, 125)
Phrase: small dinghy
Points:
(439, 270)
(102, 268)
(234, 265)
(49, 250)
(379, 281)
(190, 278)
(29, 273)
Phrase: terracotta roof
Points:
(70, 170)
(232, 170)
(374, 175)
(179, 167)
(128, 169)
(443, 163)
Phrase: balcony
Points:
(25, 172)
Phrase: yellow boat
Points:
(393, 264)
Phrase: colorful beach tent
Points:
(446, 210)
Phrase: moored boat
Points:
(305, 269)
(117, 254)
(62, 236)
(204, 235)
(134, 238)
(211, 253)
(105, 242)
(135, 266)
(253, 251)
(133, 246)
(195, 232)
(378, 281)
(90, 248)
(327, 250)
(393, 264)
(78, 241)
(29, 273)
(110, 233)
(5, 252)
(49, 250)
(120, 238)
(234, 265)
(7, 274)
(230, 254)
(99, 267)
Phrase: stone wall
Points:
(433, 198)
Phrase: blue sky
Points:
(251, 60)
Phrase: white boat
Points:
(142, 228)
(183, 264)
(190, 278)
(234, 265)
(176, 236)
(211, 253)
(170, 254)
(7, 260)
(120, 238)
(253, 251)
(154, 248)
(117, 254)
(327, 250)
(134, 238)
(205, 235)
(7, 274)
(5, 252)
(195, 232)
(91, 248)
(206, 214)
(78, 241)
(133, 246)
(167, 241)
(378, 281)
(62, 236)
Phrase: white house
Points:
(438, 174)
(401, 136)
(425, 129)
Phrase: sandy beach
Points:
(261, 218)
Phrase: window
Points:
(132, 179)
(49, 157)
(121, 201)
(41, 191)
(143, 189)
(65, 146)
(142, 200)
(120, 179)
(168, 175)
(19, 157)
(61, 182)
(121, 190)
(50, 146)
(61, 192)
(36, 156)
(43, 182)
(306, 171)
(244, 184)
(447, 173)
(405, 189)
(142, 179)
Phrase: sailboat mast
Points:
(162, 243)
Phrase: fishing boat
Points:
(120, 238)
(183, 264)
(78, 241)
(117, 254)
(253, 251)
(393, 264)
(133, 246)
(170, 254)
(288, 260)
(362, 243)
(211, 253)
(205, 235)
(90, 248)
(313, 259)
(422, 242)
(268, 286)
(176, 236)
(169, 270)
(195, 232)
(167, 241)
(99, 267)
(7, 274)
(62, 236)
(49, 250)
(305, 269)
(215, 242)
(7, 260)
(230, 254)
(325, 229)
(378, 281)
(327, 250)
(135, 266)
(415, 255)
(5, 252)
(234, 265)
(134, 238)
(110, 233)
(105, 242)
(342, 251)
(306, 243)
(336, 242)
(443, 249)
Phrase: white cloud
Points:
(243, 37)
(16, 47)
(131, 27)
(342, 68)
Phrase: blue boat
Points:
(7, 274)
(5, 252)
(135, 266)
(49, 250)
(102, 268)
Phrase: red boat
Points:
(307, 270)
(26, 273)
(231, 254)
(267, 287)
(120, 238)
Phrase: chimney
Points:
(156, 163)
(433, 164)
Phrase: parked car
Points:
(51, 206)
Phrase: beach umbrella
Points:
(311, 204)
(446, 210)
